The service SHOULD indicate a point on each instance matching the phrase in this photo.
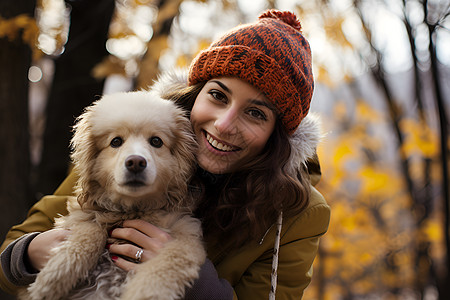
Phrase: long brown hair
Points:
(240, 207)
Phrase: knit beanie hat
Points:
(272, 55)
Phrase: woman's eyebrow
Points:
(252, 101)
(262, 103)
(223, 86)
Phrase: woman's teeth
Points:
(218, 145)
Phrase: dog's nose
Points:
(135, 163)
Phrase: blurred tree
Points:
(17, 32)
(148, 62)
(73, 87)
(386, 233)
(16, 24)
(422, 200)
(435, 16)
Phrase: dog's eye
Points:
(156, 142)
(116, 142)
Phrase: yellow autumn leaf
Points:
(373, 180)
(363, 286)
(419, 139)
(9, 28)
(365, 112)
(202, 45)
(427, 147)
(402, 258)
(142, 2)
(182, 61)
(340, 110)
(349, 223)
(433, 230)
(342, 150)
(337, 176)
(365, 258)
(348, 78)
(24, 25)
(333, 29)
(324, 77)
(22, 21)
(339, 210)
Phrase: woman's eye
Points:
(156, 142)
(217, 95)
(256, 113)
(116, 142)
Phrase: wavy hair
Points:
(242, 206)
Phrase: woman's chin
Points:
(215, 167)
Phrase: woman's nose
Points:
(226, 122)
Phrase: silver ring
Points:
(138, 255)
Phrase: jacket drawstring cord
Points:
(276, 249)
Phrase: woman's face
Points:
(232, 121)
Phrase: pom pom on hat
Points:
(285, 16)
(272, 55)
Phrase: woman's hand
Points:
(39, 248)
(146, 240)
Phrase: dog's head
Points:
(133, 151)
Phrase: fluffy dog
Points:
(134, 153)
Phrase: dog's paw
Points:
(56, 279)
(22, 293)
(157, 284)
(151, 291)
(37, 291)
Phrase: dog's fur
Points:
(133, 180)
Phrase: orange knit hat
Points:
(272, 55)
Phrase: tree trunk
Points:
(73, 87)
(15, 60)
(443, 128)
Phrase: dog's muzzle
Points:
(135, 164)
(136, 175)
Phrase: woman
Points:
(247, 95)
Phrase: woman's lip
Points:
(219, 145)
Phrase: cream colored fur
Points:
(304, 142)
(106, 195)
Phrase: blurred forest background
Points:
(382, 70)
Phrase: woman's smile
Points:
(219, 145)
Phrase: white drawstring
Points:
(276, 249)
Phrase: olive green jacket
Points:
(248, 270)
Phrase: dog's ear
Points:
(184, 153)
(83, 152)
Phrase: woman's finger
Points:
(148, 229)
(137, 237)
(123, 263)
(133, 252)
(142, 234)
